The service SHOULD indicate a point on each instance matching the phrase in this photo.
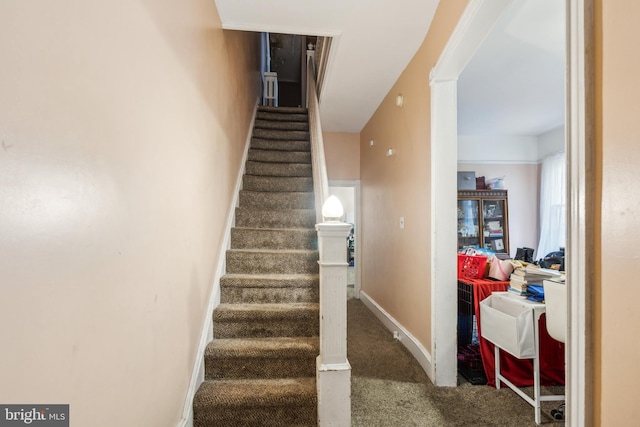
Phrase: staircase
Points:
(260, 366)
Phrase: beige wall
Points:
(123, 127)
(618, 137)
(396, 270)
(523, 183)
(342, 153)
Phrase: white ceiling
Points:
(514, 85)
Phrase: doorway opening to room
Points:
(348, 192)
(511, 127)
(476, 23)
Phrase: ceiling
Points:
(514, 85)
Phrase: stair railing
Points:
(318, 162)
(333, 371)
(323, 46)
(270, 94)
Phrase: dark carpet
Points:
(390, 388)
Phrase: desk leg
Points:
(496, 351)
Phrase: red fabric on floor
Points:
(518, 371)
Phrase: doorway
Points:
(476, 22)
(348, 192)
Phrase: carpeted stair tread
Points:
(275, 144)
(269, 288)
(274, 218)
(272, 261)
(273, 238)
(276, 200)
(295, 135)
(266, 320)
(264, 311)
(256, 403)
(278, 169)
(275, 156)
(277, 183)
(260, 392)
(282, 125)
(264, 348)
(297, 116)
(288, 110)
(270, 280)
(273, 357)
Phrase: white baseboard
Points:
(409, 341)
(197, 376)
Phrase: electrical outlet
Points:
(401, 222)
(396, 335)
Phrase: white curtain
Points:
(553, 197)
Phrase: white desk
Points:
(510, 322)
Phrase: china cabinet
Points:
(483, 220)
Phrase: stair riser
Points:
(273, 200)
(275, 219)
(255, 238)
(278, 169)
(289, 117)
(295, 135)
(273, 156)
(281, 125)
(282, 110)
(241, 262)
(267, 144)
(268, 416)
(262, 295)
(277, 184)
(250, 327)
(255, 367)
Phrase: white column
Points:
(333, 373)
(444, 269)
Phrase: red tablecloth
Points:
(518, 371)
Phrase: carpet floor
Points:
(390, 388)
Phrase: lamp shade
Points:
(332, 209)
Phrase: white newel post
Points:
(333, 372)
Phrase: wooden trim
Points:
(580, 212)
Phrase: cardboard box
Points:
(466, 180)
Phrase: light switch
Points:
(401, 222)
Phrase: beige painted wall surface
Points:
(123, 127)
(395, 261)
(619, 136)
(342, 153)
(523, 183)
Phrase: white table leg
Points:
(496, 351)
(536, 368)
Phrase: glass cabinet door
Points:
(468, 224)
(493, 225)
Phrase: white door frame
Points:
(355, 184)
(476, 22)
